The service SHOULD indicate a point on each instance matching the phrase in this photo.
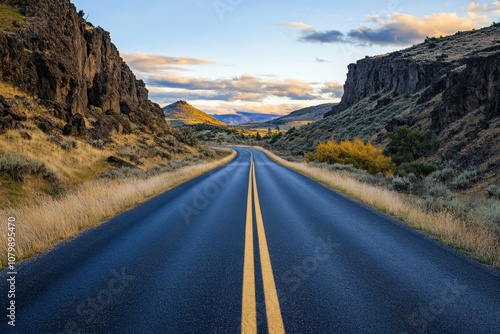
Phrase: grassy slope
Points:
(42, 224)
(72, 167)
(8, 15)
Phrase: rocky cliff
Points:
(74, 70)
(447, 85)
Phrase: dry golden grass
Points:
(476, 239)
(48, 221)
(74, 167)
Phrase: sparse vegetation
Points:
(48, 221)
(68, 144)
(18, 166)
(357, 153)
(470, 225)
(10, 18)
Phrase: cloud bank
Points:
(400, 29)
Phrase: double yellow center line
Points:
(249, 306)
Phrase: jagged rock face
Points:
(72, 67)
(467, 79)
(450, 86)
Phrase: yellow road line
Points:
(273, 312)
(249, 310)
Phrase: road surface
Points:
(252, 247)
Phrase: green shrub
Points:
(465, 180)
(123, 173)
(441, 191)
(408, 145)
(68, 144)
(97, 143)
(417, 168)
(18, 167)
(275, 137)
(402, 184)
(291, 131)
(443, 175)
(493, 191)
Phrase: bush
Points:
(123, 173)
(417, 168)
(357, 153)
(18, 166)
(443, 175)
(97, 143)
(465, 180)
(402, 184)
(275, 137)
(493, 191)
(68, 144)
(408, 145)
(440, 191)
(187, 136)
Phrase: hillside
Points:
(448, 85)
(245, 117)
(71, 110)
(182, 113)
(295, 119)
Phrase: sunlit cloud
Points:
(251, 93)
(298, 25)
(404, 29)
(145, 62)
(400, 29)
(480, 7)
(333, 89)
(243, 88)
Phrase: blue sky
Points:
(225, 56)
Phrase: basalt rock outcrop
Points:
(73, 69)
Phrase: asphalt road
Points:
(252, 247)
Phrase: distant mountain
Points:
(245, 117)
(182, 113)
(296, 118)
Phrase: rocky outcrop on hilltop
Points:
(74, 70)
(447, 85)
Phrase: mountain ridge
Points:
(296, 118)
(243, 117)
(182, 113)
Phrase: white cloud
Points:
(146, 62)
(298, 25)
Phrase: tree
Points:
(357, 153)
(258, 136)
(408, 145)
